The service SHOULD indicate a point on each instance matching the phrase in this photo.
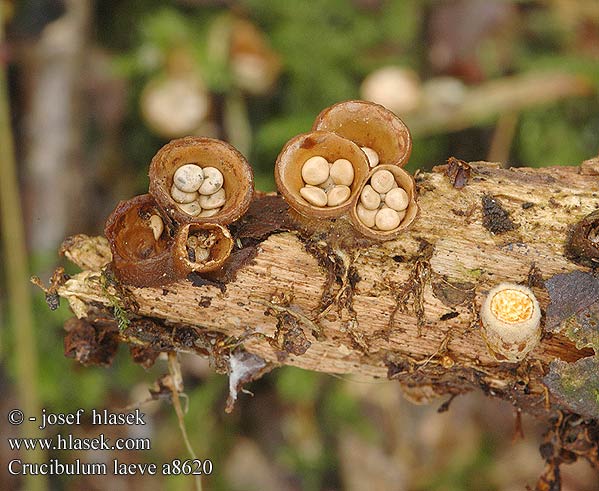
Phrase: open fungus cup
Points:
(201, 248)
(138, 257)
(293, 156)
(510, 320)
(369, 125)
(204, 152)
(405, 181)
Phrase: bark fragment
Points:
(574, 308)
(458, 172)
(576, 385)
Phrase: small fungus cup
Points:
(201, 248)
(370, 126)
(383, 210)
(201, 180)
(511, 322)
(141, 243)
(320, 173)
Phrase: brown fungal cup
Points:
(204, 152)
(138, 257)
(404, 181)
(201, 248)
(369, 125)
(293, 156)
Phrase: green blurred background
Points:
(97, 87)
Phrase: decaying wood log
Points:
(405, 309)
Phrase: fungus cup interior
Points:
(512, 306)
(288, 169)
(205, 152)
(369, 125)
(403, 180)
(215, 238)
(129, 231)
(138, 258)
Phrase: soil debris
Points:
(91, 341)
(495, 218)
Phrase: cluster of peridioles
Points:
(351, 165)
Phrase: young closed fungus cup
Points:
(328, 152)
(223, 167)
(370, 126)
(510, 322)
(201, 248)
(175, 104)
(408, 210)
(141, 243)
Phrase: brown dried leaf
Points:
(452, 293)
(143, 355)
(458, 172)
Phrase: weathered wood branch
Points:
(407, 309)
(483, 103)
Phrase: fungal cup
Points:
(311, 200)
(510, 320)
(360, 218)
(141, 256)
(201, 248)
(369, 125)
(214, 157)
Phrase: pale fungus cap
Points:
(511, 321)
(394, 87)
(176, 105)
(255, 66)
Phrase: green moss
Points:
(120, 314)
(475, 273)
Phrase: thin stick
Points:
(503, 137)
(482, 104)
(17, 279)
(175, 372)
